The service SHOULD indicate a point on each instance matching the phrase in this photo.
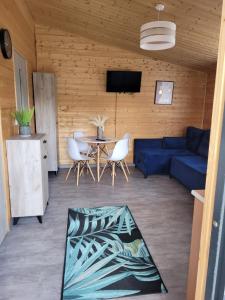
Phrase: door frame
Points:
(215, 284)
(213, 163)
(3, 198)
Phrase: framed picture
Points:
(164, 92)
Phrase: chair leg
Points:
(78, 172)
(107, 150)
(68, 173)
(113, 173)
(125, 163)
(124, 172)
(82, 166)
(89, 168)
(103, 170)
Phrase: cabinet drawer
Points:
(44, 164)
(26, 175)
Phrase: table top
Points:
(93, 140)
(199, 194)
(32, 137)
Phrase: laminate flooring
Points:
(32, 254)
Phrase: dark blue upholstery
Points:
(181, 157)
(193, 136)
(203, 148)
(157, 161)
(174, 143)
(142, 144)
(190, 171)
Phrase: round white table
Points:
(100, 145)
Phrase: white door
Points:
(3, 214)
(21, 80)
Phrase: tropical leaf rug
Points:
(106, 256)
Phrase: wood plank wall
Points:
(209, 98)
(15, 16)
(80, 65)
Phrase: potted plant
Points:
(99, 122)
(23, 117)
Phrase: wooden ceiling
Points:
(117, 22)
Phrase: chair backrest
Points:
(120, 150)
(127, 136)
(83, 147)
(73, 149)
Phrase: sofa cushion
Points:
(166, 152)
(174, 142)
(195, 162)
(157, 161)
(189, 170)
(193, 137)
(142, 144)
(203, 147)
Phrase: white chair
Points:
(116, 158)
(127, 136)
(79, 161)
(83, 147)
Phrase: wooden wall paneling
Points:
(15, 16)
(80, 66)
(117, 23)
(209, 99)
(213, 159)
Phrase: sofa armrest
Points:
(174, 143)
(142, 144)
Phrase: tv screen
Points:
(123, 81)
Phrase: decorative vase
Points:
(100, 133)
(25, 131)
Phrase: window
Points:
(21, 81)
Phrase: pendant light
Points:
(158, 35)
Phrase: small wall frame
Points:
(164, 92)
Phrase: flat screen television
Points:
(123, 81)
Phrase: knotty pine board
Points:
(14, 16)
(209, 98)
(80, 65)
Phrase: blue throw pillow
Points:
(203, 148)
(193, 137)
(174, 142)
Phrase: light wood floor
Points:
(31, 256)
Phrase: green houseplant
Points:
(24, 117)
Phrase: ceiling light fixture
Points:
(158, 35)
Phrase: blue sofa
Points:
(184, 158)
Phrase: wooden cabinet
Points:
(195, 243)
(45, 113)
(28, 175)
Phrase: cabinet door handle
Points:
(44, 142)
(45, 156)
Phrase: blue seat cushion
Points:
(195, 162)
(189, 170)
(174, 142)
(157, 161)
(166, 152)
(193, 137)
(203, 148)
